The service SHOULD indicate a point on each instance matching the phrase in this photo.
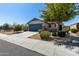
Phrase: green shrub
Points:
(44, 35)
(17, 27)
(54, 32)
(74, 30)
(24, 28)
(40, 30)
(61, 33)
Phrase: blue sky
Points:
(72, 21)
(19, 13)
(22, 13)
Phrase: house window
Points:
(53, 25)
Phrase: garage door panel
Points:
(35, 27)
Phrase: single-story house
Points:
(74, 26)
(36, 24)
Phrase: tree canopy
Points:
(59, 12)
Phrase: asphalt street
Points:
(10, 49)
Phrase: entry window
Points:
(53, 25)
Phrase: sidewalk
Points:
(43, 47)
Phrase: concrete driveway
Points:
(25, 34)
(10, 49)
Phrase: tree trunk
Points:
(60, 26)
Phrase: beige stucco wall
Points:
(73, 26)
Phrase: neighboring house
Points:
(36, 24)
(74, 26)
(66, 27)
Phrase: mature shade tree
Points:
(59, 12)
(5, 27)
